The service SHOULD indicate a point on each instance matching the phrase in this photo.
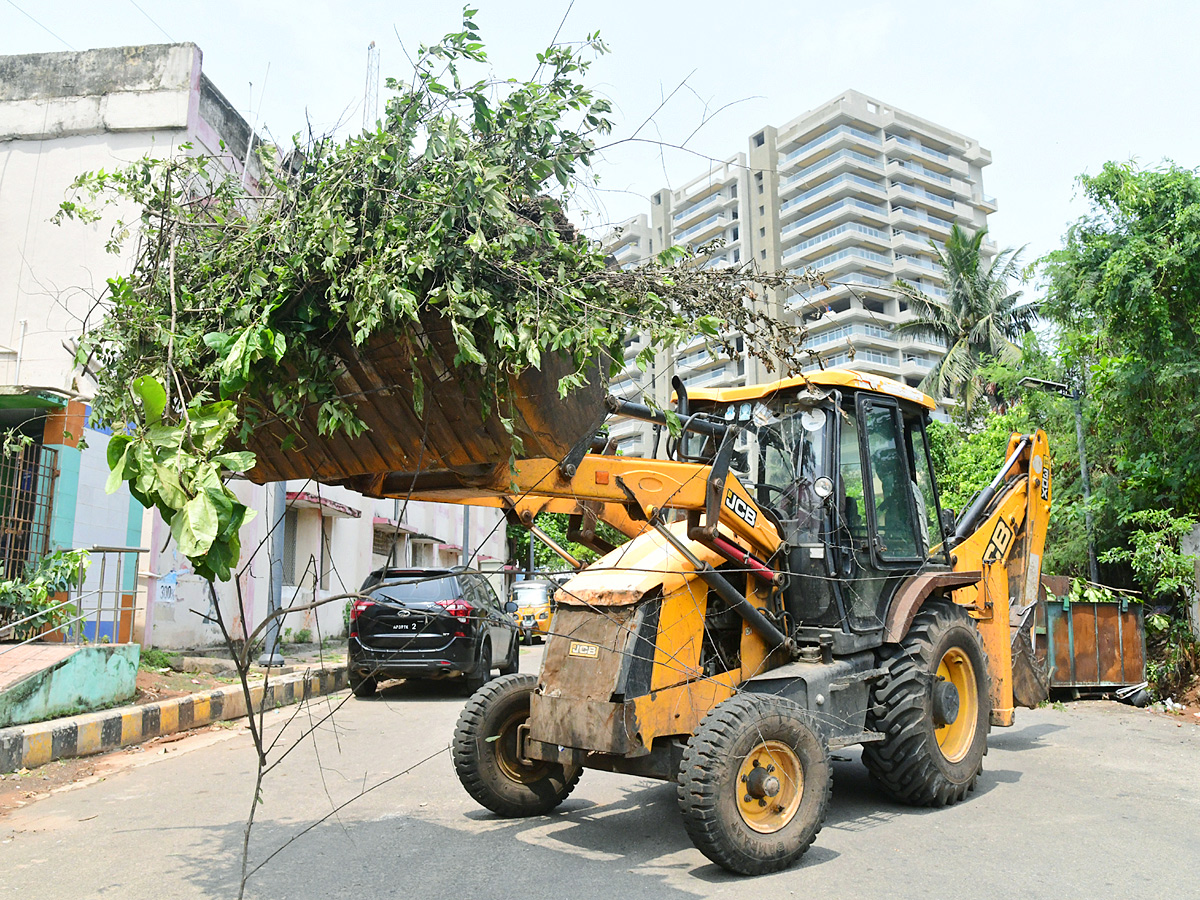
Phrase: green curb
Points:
(27, 746)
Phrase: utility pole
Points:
(271, 655)
(1085, 480)
(466, 539)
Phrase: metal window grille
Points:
(26, 503)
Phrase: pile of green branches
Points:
(453, 205)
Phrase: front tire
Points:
(934, 705)
(754, 784)
(486, 754)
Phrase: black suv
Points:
(429, 623)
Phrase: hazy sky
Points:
(1053, 89)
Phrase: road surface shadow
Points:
(1018, 740)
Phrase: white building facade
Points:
(854, 189)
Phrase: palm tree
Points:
(980, 317)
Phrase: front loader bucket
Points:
(453, 438)
(1030, 675)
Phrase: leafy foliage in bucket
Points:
(451, 207)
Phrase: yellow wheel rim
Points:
(955, 738)
(507, 754)
(770, 784)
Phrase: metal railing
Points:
(101, 610)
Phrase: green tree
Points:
(982, 316)
(1122, 291)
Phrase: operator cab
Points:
(840, 462)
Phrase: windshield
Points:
(778, 455)
(531, 594)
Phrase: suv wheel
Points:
(512, 665)
(483, 669)
(362, 685)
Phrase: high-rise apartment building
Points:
(855, 189)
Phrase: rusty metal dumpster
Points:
(1089, 645)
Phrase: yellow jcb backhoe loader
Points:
(791, 586)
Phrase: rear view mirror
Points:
(510, 606)
(949, 521)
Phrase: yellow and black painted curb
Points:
(27, 746)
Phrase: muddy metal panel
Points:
(453, 439)
(581, 672)
(1090, 644)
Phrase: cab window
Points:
(892, 489)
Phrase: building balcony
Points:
(900, 214)
(849, 207)
(839, 289)
(856, 258)
(899, 146)
(703, 231)
(839, 185)
(912, 241)
(915, 265)
(910, 193)
(845, 158)
(842, 134)
(833, 237)
(697, 210)
(985, 202)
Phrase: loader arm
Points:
(1003, 536)
(629, 492)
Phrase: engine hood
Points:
(625, 575)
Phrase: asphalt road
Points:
(1092, 800)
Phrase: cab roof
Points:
(826, 378)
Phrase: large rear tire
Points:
(754, 784)
(935, 706)
(486, 753)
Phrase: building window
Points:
(762, 232)
(735, 233)
(732, 191)
(658, 199)
(737, 256)
(735, 214)
(762, 211)
(759, 139)
(762, 253)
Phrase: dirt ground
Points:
(154, 685)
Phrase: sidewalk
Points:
(27, 746)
